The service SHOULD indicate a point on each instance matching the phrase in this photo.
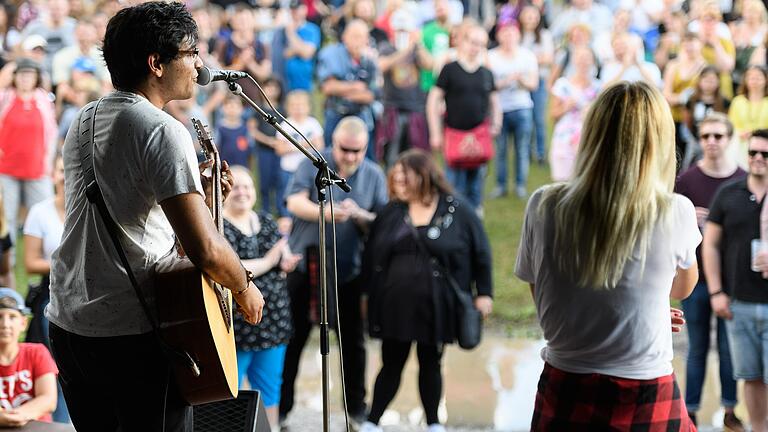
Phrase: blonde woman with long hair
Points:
(603, 254)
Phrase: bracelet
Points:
(249, 277)
(716, 293)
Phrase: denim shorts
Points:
(748, 336)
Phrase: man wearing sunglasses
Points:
(699, 183)
(353, 213)
(737, 293)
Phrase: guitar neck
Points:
(209, 147)
(218, 197)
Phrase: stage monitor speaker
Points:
(244, 414)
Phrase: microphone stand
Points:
(324, 178)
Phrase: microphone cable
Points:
(335, 283)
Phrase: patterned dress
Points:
(567, 131)
(275, 328)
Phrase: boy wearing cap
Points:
(27, 370)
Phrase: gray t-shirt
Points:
(624, 331)
(369, 191)
(142, 157)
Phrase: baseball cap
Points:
(506, 18)
(34, 41)
(10, 299)
(84, 64)
(26, 64)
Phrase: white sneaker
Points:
(436, 427)
(370, 427)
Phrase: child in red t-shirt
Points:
(27, 370)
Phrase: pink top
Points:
(27, 134)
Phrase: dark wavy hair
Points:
(430, 176)
(136, 32)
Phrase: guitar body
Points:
(195, 313)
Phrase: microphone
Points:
(205, 75)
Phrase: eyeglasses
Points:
(716, 136)
(350, 150)
(194, 53)
(753, 153)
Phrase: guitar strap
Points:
(86, 144)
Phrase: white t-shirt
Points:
(544, 46)
(642, 11)
(311, 129)
(611, 72)
(43, 222)
(722, 30)
(625, 331)
(524, 62)
(142, 157)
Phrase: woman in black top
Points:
(257, 241)
(468, 90)
(406, 304)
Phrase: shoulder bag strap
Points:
(86, 144)
(423, 248)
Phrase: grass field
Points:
(514, 312)
(513, 308)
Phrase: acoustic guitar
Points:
(195, 313)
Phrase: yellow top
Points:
(680, 84)
(708, 52)
(748, 116)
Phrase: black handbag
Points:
(37, 298)
(469, 320)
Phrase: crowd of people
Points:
(379, 87)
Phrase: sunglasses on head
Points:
(753, 153)
(707, 136)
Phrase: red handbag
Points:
(468, 148)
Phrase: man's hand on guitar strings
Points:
(227, 181)
(251, 304)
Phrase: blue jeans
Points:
(468, 183)
(264, 369)
(748, 337)
(285, 178)
(61, 414)
(520, 124)
(271, 188)
(698, 318)
(540, 97)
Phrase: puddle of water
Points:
(493, 386)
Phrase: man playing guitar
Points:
(114, 373)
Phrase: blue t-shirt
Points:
(235, 146)
(369, 191)
(334, 61)
(299, 71)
